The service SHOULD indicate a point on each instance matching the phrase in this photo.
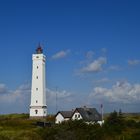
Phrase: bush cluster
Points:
(116, 127)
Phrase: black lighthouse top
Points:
(39, 49)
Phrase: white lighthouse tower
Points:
(38, 108)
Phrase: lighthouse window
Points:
(36, 101)
(36, 111)
(36, 88)
(37, 67)
(37, 57)
(36, 77)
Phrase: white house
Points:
(63, 116)
(89, 115)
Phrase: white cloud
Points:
(11, 96)
(3, 89)
(19, 99)
(133, 62)
(61, 54)
(89, 54)
(22, 92)
(94, 66)
(115, 68)
(100, 81)
(51, 95)
(104, 50)
(121, 92)
(65, 100)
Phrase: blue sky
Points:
(92, 50)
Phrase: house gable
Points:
(63, 116)
(76, 115)
(59, 118)
(87, 114)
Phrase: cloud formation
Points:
(3, 89)
(121, 92)
(19, 99)
(104, 50)
(23, 92)
(11, 96)
(52, 94)
(115, 68)
(65, 100)
(134, 62)
(60, 54)
(90, 54)
(94, 66)
(101, 81)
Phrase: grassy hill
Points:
(127, 116)
(16, 127)
(20, 127)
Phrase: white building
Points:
(38, 108)
(63, 116)
(88, 115)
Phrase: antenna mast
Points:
(102, 112)
(56, 100)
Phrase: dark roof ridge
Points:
(89, 114)
(65, 114)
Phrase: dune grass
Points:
(20, 127)
(17, 126)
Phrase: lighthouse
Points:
(38, 107)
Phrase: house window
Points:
(37, 57)
(78, 115)
(36, 111)
(75, 115)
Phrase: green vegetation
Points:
(117, 126)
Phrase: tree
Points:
(114, 123)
